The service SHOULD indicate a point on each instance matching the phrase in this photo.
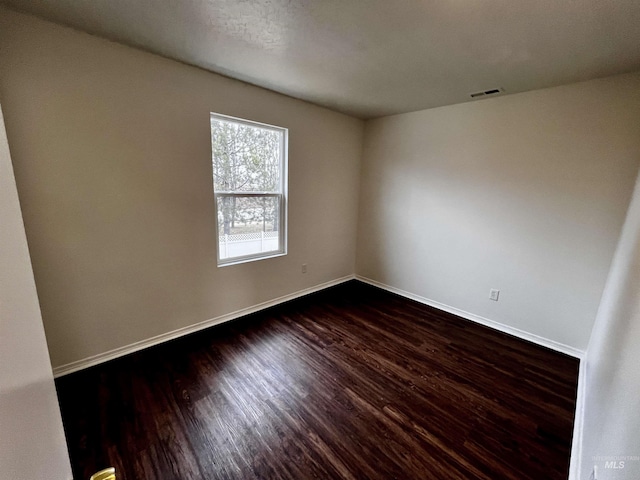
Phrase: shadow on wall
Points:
(611, 423)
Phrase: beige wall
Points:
(524, 193)
(111, 148)
(32, 443)
(612, 382)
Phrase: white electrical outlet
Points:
(304, 268)
(494, 294)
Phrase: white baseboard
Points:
(180, 332)
(516, 332)
(575, 468)
(576, 446)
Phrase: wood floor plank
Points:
(351, 382)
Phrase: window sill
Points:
(239, 260)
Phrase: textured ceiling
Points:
(373, 57)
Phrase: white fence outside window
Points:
(247, 244)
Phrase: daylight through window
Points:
(249, 182)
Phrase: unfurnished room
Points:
(268, 239)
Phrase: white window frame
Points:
(282, 195)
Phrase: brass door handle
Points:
(106, 474)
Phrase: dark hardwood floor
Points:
(352, 382)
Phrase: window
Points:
(249, 183)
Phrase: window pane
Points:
(248, 225)
(245, 158)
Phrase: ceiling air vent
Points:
(486, 93)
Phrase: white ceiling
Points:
(371, 58)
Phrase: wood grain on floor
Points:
(349, 383)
